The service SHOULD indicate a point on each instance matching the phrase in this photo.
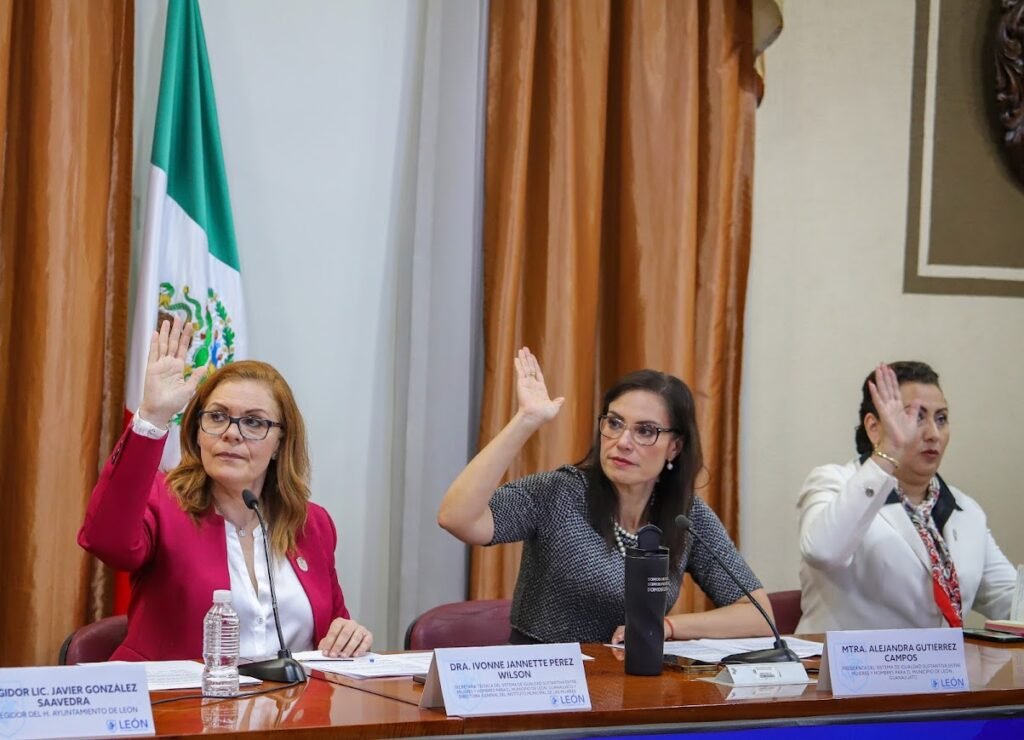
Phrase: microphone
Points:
(781, 652)
(284, 668)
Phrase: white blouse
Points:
(257, 631)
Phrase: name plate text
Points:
(908, 661)
(507, 679)
(101, 699)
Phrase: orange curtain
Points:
(619, 166)
(65, 205)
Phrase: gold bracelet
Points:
(888, 458)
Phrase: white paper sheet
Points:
(712, 651)
(304, 656)
(164, 675)
(371, 665)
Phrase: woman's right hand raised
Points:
(899, 423)
(535, 404)
(166, 390)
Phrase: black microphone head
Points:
(683, 522)
(250, 499)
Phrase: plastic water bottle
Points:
(220, 647)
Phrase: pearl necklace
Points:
(624, 539)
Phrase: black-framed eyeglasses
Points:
(250, 427)
(644, 433)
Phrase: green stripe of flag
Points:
(186, 143)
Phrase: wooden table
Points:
(316, 709)
(388, 707)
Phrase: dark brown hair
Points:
(673, 491)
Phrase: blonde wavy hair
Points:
(286, 487)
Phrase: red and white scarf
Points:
(945, 584)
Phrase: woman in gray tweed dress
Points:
(577, 521)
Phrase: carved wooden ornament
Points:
(1009, 53)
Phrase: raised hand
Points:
(166, 390)
(534, 402)
(899, 423)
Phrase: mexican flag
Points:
(189, 260)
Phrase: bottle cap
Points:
(648, 544)
(648, 538)
(222, 596)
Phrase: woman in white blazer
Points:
(884, 541)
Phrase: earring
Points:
(273, 456)
(668, 464)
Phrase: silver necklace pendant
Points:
(250, 532)
(246, 531)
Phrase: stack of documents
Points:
(1005, 625)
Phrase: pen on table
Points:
(347, 660)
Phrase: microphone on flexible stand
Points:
(284, 668)
(778, 654)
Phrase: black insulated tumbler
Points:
(646, 592)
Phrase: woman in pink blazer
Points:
(184, 535)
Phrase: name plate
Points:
(507, 679)
(763, 674)
(910, 661)
(102, 699)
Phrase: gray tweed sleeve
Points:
(521, 508)
(707, 573)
